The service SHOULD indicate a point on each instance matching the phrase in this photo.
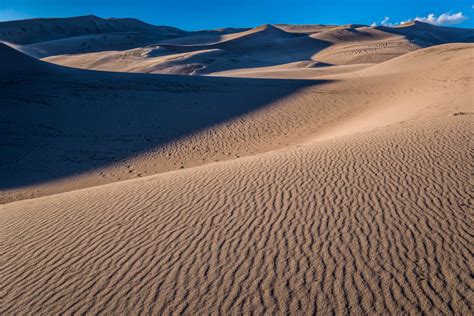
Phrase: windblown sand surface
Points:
(346, 193)
(372, 223)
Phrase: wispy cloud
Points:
(443, 19)
(385, 21)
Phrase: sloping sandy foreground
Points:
(371, 223)
(369, 214)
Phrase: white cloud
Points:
(443, 19)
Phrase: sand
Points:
(344, 193)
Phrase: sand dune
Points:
(41, 30)
(296, 70)
(431, 34)
(160, 59)
(57, 36)
(46, 37)
(344, 193)
(270, 46)
(80, 122)
(364, 44)
(91, 43)
(305, 28)
(262, 46)
(116, 41)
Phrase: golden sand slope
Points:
(372, 223)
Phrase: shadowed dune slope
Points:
(18, 63)
(81, 121)
(84, 34)
(372, 223)
(46, 37)
(117, 41)
(41, 30)
(123, 126)
(92, 43)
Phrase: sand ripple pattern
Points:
(372, 223)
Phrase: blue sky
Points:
(209, 14)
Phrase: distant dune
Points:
(84, 34)
(41, 30)
(314, 170)
(262, 46)
(268, 46)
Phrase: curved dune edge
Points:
(374, 223)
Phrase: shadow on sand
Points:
(65, 122)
